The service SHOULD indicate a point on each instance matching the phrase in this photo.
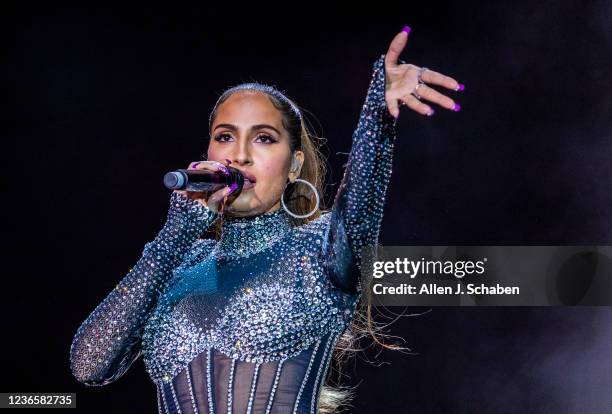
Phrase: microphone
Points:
(203, 180)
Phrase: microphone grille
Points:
(174, 180)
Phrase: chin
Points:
(242, 207)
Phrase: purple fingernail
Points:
(222, 168)
(406, 29)
(460, 87)
(456, 107)
(431, 112)
(228, 161)
(195, 165)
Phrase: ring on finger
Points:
(415, 92)
(420, 74)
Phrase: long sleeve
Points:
(108, 341)
(357, 211)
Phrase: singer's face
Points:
(248, 131)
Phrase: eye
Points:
(220, 137)
(267, 138)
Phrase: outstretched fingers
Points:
(432, 95)
(416, 105)
(393, 106)
(431, 76)
(396, 47)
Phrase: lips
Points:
(249, 180)
(248, 176)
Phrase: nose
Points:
(241, 154)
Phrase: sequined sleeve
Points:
(108, 341)
(357, 211)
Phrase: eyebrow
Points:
(254, 127)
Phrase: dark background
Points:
(102, 102)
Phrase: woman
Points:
(247, 321)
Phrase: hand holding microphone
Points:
(198, 186)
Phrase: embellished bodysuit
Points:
(248, 323)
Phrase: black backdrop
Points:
(101, 102)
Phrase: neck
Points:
(243, 236)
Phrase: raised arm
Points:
(357, 212)
(108, 341)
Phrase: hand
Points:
(401, 80)
(217, 200)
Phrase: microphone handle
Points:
(203, 180)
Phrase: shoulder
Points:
(315, 229)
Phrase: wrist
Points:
(189, 216)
